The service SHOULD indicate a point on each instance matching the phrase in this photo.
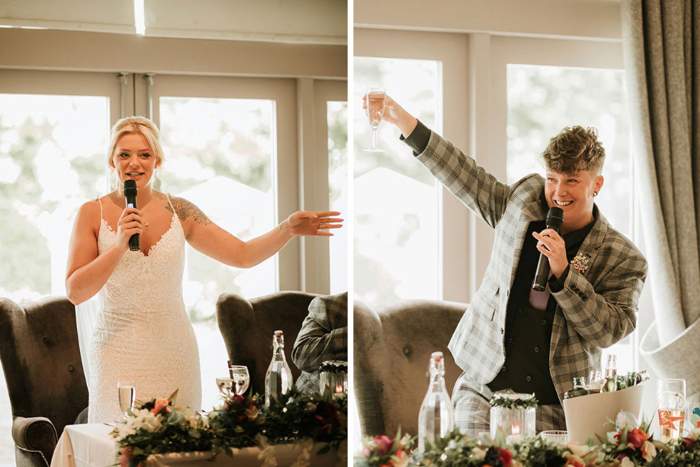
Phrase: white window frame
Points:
(282, 92)
(452, 51)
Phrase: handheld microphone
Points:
(555, 218)
(130, 191)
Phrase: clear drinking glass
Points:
(595, 382)
(555, 436)
(127, 395)
(241, 379)
(670, 400)
(376, 98)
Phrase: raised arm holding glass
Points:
(143, 332)
(513, 336)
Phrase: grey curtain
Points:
(661, 43)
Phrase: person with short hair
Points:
(511, 336)
(323, 337)
(143, 333)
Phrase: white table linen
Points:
(91, 446)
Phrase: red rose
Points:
(688, 443)
(238, 400)
(125, 457)
(506, 457)
(383, 444)
(636, 437)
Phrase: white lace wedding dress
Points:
(143, 333)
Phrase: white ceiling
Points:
(289, 21)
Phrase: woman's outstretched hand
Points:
(309, 223)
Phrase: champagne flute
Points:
(375, 98)
(241, 379)
(127, 395)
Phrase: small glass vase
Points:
(517, 423)
(334, 376)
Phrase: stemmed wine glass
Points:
(127, 395)
(241, 378)
(236, 383)
(375, 98)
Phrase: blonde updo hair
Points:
(134, 125)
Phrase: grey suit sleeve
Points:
(477, 189)
(606, 314)
(323, 335)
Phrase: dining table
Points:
(91, 445)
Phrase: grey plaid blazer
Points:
(595, 309)
(323, 336)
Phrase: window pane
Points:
(338, 184)
(397, 201)
(542, 100)
(52, 160)
(220, 155)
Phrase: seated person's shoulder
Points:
(330, 305)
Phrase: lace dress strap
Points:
(100, 202)
(171, 204)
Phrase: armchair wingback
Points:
(247, 327)
(392, 347)
(44, 373)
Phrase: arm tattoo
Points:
(185, 209)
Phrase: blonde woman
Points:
(143, 333)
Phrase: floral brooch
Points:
(581, 262)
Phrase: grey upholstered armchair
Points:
(44, 374)
(247, 328)
(392, 347)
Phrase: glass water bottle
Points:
(278, 379)
(437, 416)
(610, 375)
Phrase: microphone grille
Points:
(555, 216)
(130, 185)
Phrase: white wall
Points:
(298, 21)
(596, 19)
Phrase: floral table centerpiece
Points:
(628, 445)
(159, 427)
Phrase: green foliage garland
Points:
(157, 427)
(507, 403)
